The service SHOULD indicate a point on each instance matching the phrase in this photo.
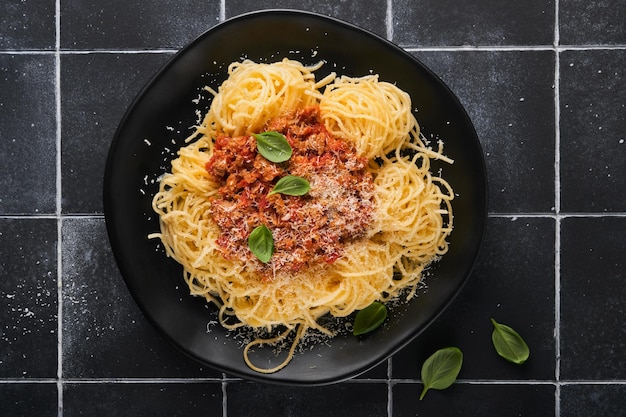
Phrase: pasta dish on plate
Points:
(297, 198)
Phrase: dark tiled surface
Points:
(28, 298)
(27, 24)
(348, 399)
(586, 400)
(370, 15)
(28, 134)
(28, 399)
(593, 305)
(593, 130)
(134, 24)
(138, 399)
(509, 400)
(592, 23)
(478, 22)
(551, 121)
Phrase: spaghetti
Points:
(369, 137)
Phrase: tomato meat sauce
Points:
(307, 229)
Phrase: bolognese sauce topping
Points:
(308, 229)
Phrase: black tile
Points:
(479, 22)
(368, 14)
(377, 372)
(142, 399)
(469, 400)
(134, 24)
(583, 22)
(593, 284)
(509, 96)
(19, 400)
(104, 332)
(586, 400)
(28, 298)
(28, 134)
(96, 89)
(27, 25)
(339, 400)
(593, 130)
(514, 284)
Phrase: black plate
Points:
(160, 118)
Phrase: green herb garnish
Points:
(261, 243)
(291, 185)
(273, 146)
(441, 369)
(369, 318)
(509, 344)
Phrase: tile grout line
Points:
(557, 315)
(222, 13)
(224, 396)
(58, 214)
(390, 386)
(557, 210)
(389, 20)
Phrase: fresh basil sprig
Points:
(509, 344)
(440, 370)
(369, 318)
(273, 146)
(261, 243)
(291, 185)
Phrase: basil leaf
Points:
(509, 344)
(369, 318)
(273, 146)
(261, 243)
(291, 185)
(440, 370)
